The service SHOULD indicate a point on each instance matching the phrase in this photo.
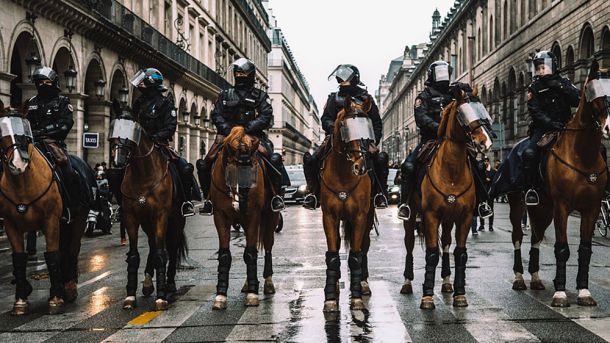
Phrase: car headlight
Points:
(395, 189)
(303, 188)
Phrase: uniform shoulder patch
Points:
(417, 102)
(268, 100)
(173, 113)
(70, 108)
(529, 95)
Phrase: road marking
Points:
(144, 318)
(97, 278)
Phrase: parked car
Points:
(297, 190)
(393, 189)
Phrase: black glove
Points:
(461, 85)
(556, 125)
(553, 83)
(154, 138)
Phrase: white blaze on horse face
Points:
(487, 142)
(18, 164)
(606, 128)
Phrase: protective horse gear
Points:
(133, 263)
(432, 257)
(250, 257)
(224, 266)
(24, 288)
(354, 261)
(562, 254)
(53, 260)
(333, 274)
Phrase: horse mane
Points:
(238, 136)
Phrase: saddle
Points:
(425, 153)
(547, 140)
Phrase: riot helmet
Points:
(347, 73)
(148, 79)
(439, 74)
(545, 63)
(43, 74)
(244, 72)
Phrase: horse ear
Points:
(347, 105)
(23, 109)
(594, 69)
(475, 91)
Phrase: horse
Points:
(240, 195)
(148, 193)
(345, 195)
(575, 176)
(30, 200)
(447, 192)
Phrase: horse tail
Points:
(179, 236)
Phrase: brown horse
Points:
(30, 200)
(448, 194)
(148, 193)
(575, 179)
(345, 195)
(239, 194)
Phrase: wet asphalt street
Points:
(496, 313)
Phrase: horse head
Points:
(15, 138)
(597, 96)
(353, 132)
(124, 135)
(472, 117)
(239, 158)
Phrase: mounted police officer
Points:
(348, 77)
(250, 107)
(50, 115)
(549, 101)
(157, 115)
(428, 107)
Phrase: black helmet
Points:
(548, 59)
(347, 72)
(245, 66)
(151, 77)
(45, 73)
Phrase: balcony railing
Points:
(257, 25)
(120, 16)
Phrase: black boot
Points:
(404, 210)
(311, 170)
(204, 173)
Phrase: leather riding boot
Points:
(404, 210)
(204, 173)
(312, 176)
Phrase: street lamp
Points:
(70, 75)
(100, 88)
(33, 62)
(123, 95)
(197, 120)
(185, 116)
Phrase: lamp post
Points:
(32, 62)
(70, 75)
(197, 120)
(123, 95)
(100, 90)
(185, 116)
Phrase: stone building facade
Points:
(490, 43)
(192, 42)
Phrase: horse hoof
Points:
(252, 299)
(71, 291)
(560, 300)
(20, 307)
(220, 303)
(366, 289)
(244, 289)
(460, 301)
(447, 288)
(160, 305)
(331, 306)
(406, 289)
(129, 303)
(357, 304)
(519, 285)
(56, 305)
(147, 285)
(427, 303)
(586, 301)
(537, 285)
(269, 288)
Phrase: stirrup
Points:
(187, 209)
(532, 192)
(315, 202)
(407, 208)
(202, 211)
(384, 203)
(485, 208)
(283, 207)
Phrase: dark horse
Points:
(345, 195)
(31, 200)
(239, 194)
(447, 192)
(148, 201)
(575, 178)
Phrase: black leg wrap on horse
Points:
(562, 254)
(150, 264)
(365, 266)
(431, 263)
(250, 257)
(133, 264)
(518, 263)
(408, 273)
(23, 287)
(69, 267)
(161, 268)
(224, 266)
(268, 268)
(53, 260)
(460, 256)
(355, 266)
(534, 263)
(445, 266)
(333, 265)
(584, 259)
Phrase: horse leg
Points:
(587, 225)
(172, 249)
(539, 221)
(460, 257)
(333, 264)
(53, 259)
(445, 263)
(223, 225)
(409, 226)
(366, 244)
(562, 254)
(517, 208)
(133, 261)
(354, 260)
(20, 259)
(160, 233)
(268, 240)
(250, 257)
(70, 243)
(147, 286)
(431, 224)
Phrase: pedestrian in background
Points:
(488, 174)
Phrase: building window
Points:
(532, 8)
(586, 42)
(570, 62)
(606, 38)
(556, 50)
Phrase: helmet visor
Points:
(597, 89)
(343, 73)
(441, 72)
(137, 78)
(243, 65)
(543, 66)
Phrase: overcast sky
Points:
(366, 33)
